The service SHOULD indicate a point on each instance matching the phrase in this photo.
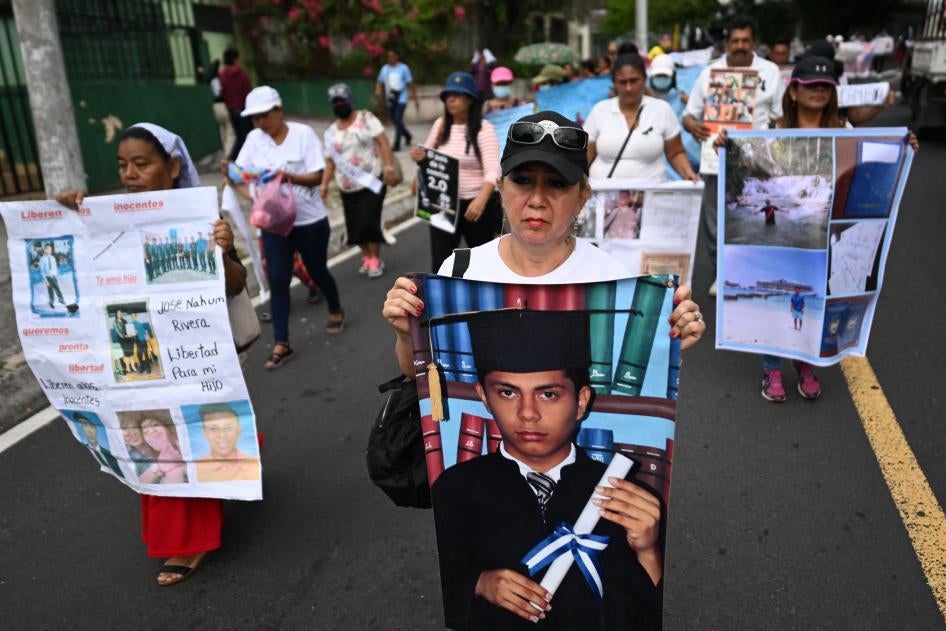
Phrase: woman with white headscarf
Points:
(179, 529)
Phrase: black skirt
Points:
(363, 216)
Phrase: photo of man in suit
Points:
(90, 429)
(532, 369)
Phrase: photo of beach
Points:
(773, 297)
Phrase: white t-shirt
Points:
(586, 264)
(300, 152)
(643, 155)
(768, 104)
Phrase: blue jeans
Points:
(771, 362)
(397, 117)
(312, 243)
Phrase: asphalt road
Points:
(780, 516)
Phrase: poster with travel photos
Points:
(805, 224)
(136, 351)
(651, 227)
(438, 186)
(484, 355)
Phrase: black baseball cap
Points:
(814, 70)
(570, 163)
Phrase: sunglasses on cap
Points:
(571, 138)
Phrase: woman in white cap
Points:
(631, 132)
(361, 160)
(544, 186)
(294, 150)
(179, 529)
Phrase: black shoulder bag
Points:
(626, 138)
(395, 456)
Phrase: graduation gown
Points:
(487, 518)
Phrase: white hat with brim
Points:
(261, 100)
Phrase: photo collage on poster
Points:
(141, 361)
(804, 229)
(651, 227)
(608, 373)
(730, 101)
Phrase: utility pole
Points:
(50, 101)
(640, 26)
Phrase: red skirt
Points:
(180, 526)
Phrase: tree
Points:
(298, 37)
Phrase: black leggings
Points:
(442, 244)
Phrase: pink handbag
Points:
(275, 208)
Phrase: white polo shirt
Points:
(768, 104)
(643, 156)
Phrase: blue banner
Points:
(502, 119)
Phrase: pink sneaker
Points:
(364, 265)
(772, 388)
(808, 385)
(375, 267)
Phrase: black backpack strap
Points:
(461, 261)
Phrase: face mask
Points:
(342, 110)
(502, 91)
(661, 83)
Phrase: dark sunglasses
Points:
(571, 138)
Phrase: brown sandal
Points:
(277, 358)
(336, 325)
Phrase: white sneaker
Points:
(712, 289)
(375, 267)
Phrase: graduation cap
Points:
(523, 341)
(519, 341)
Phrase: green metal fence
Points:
(19, 162)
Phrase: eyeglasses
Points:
(571, 138)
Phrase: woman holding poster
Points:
(181, 530)
(544, 186)
(628, 134)
(463, 134)
(810, 102)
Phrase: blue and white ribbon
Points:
(584, 548)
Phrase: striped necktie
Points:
(543, 486)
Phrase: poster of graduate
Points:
(548, 415)
(652, 227)
(805, 224)
(136, 351)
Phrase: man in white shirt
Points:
(741, 37)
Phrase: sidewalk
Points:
(22, 396)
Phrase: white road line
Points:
(47, 415)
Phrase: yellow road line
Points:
(921, 513)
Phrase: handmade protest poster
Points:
(438, 182)
(138, 356)
(651, 226)
(574, 382)
(502, 119)
(863, 94)
(806, 219)
(574, 99)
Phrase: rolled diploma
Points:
(619, 468)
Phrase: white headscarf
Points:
(175, 148)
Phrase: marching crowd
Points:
(518, 208)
